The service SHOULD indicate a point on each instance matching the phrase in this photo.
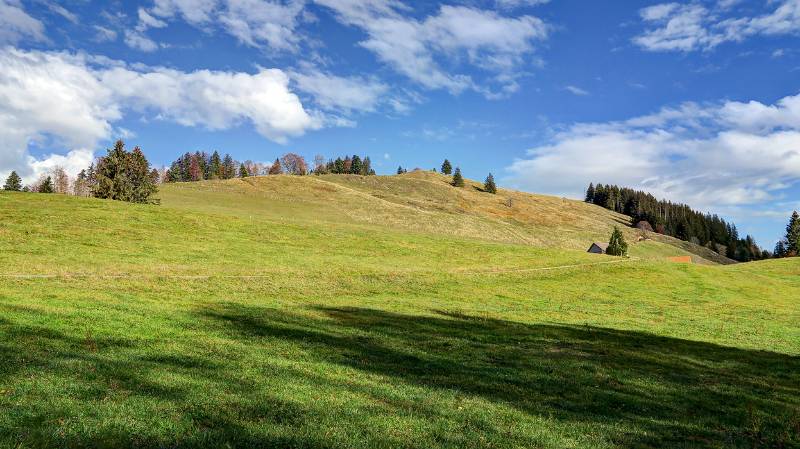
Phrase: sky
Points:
(694, 101)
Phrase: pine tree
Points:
(458, 180)
(617, 245)
(124, 176)
(228, 167)
(780, 249)
(447, 169)
(13, 183)
(243, 171)
(793, 235)
(400, 170)
(47, 186)
(140, 177)
(355, 166)
(590, 194)
(489, 185)
(366, 167)
(276, 168)
(215, 166)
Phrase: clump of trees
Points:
(401, 170)
(124, 176)
(677, 220)
(617, 246)
(348, 165)
(199, 166)
(489, 185)
(458, 180)
(789, 246)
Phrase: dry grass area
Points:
(425, 202)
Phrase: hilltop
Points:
(383, 312)
(425, 202)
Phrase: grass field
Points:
(342, 311)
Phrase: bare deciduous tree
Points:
(293, 164)
(60, 180)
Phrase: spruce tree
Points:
(141, 178)
(355, 166)
(215, 166)
(47, 186)
(243, 171)
(13, 183)
(228, 167)
(458, 180)
(780, 249)
(590, 194)
(399, 170)
(617, 245)
(447, 169)
(793, 235)
(489, 185)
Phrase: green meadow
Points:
(380, 312)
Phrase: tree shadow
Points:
(631, 389)
(673, 390)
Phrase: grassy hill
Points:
(378, 312)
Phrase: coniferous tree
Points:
(355, 165)
(124, 176)
(458, 180)
(276, 169)
(617, 245)
(47, 186)
(243, 171)
(793, 235)
(780, 249)
(366, 167)
(489, 185)
(140, 177)
(228, 167)
(13, 182)
(195, 173)
(215, 166)
(590, 194)
(400, 170)
(447, 169)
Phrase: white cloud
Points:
(511, 4)
(676, 27)
(576, 90)
(139, 41)
(16, 24)
(104, 34)
(257, 23)
(75, 99)
(335, 92)
(731, 153)
(419, 49)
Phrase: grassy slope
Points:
(364, 333)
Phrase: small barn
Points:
(598, 248)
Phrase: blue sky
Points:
(694, 101)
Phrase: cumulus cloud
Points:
(16, 24)
(257, 23)
(731, 153)
(340, 93)
(75, 99)
(418, 49)
(677, 27)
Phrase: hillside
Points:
(347, 312)
(425, 202)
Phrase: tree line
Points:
(119, 175)
(677, 220)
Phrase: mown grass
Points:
(353, 334)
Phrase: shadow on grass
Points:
(627, 389)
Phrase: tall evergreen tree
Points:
(243, 171)
(458, 180)
(489, 185)
(447, 169)
(590, 194)
(780, 249)
(228, 167)
(399, 170)
(47, 186)
(124, 176)
(617, 245)
(793, 235)
(366, 167)
(140, 176)
(355, 165)
(13, 182)
(215, 166)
